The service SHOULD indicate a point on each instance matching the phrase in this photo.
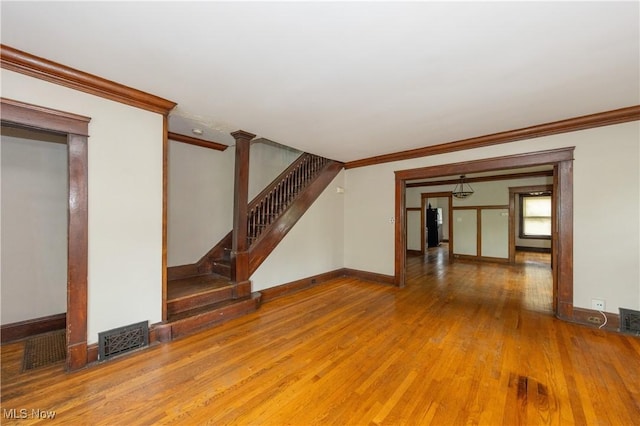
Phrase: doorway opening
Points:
(74, 128)
(34, 238)
(561, 160)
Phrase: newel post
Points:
(239, 255)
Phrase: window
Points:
(535, 216)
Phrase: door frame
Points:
(76, 129)
(562, 161)
(424, 196)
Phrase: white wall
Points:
(34, 225)
(125, 201)
(200, 200)
(413, 230)
(313, 246)
(266, 161)
(494, 233)
(606, 247)
(465, 228)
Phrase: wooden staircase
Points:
(202, 295)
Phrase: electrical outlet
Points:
(597, 304)
(595, 320)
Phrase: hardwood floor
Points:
(468, 343)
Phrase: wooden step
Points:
(197, 319)
(193, 292)
(222, 267)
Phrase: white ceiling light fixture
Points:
(198, 132)
(460, 191)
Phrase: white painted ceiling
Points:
(349, 80)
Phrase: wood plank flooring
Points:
(467, 343)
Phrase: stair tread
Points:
(211, 308)
(187, 287)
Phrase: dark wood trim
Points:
(182, 271)
(44, 69)
(239, 257)
(424, 197)
(195, 141)
(23, 329)
(492, 207)
(513, 190)
(370, 276)
(622, 115)
(413, 209)
(492, 178)
(564, 237)
(165, 209)
(282, 290)
(478, 233)
(205, 263)
(534, 249)
(400, 233)
(520, 218)
(36, 117)
(583, 316)
(77, 285)
(414, 252)
(561, 159)
(539, 158)
(479, 258)
(77, 229)
(268, 240)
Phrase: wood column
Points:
(78, 241)
(239, 255)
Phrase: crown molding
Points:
(44, 69)
(196, 141)
(606, 118)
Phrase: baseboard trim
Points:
(480, 258)
(23, 329)
(534, 249)
(305, 283)
(298, 285)
(370, 276)
(583, 316)
(414, 252)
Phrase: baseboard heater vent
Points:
(122, 340)
(630, 321)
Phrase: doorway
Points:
(438, 206)
(34, 224)
(75, 129)
(562, 162)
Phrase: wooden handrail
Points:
(274, 182)
(276, 198)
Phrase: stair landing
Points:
(202, 301)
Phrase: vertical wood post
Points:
(77, 261)
(239, 255)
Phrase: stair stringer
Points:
(271, 236)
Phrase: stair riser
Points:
(221, 269)
(215, 317)
(197, 300)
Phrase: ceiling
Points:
(349, 80)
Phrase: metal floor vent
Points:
(123, 339)
(630, 321)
